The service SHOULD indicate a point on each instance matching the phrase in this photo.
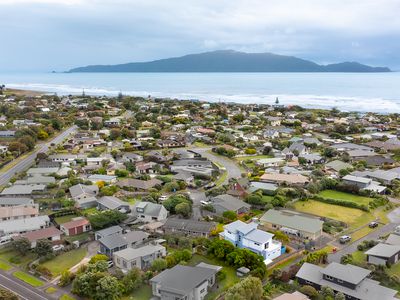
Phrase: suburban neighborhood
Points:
(146, 198)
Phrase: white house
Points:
(247, 236)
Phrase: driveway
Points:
(232, 169)
(197, 197)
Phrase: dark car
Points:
(373, 224)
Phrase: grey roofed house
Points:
(393, 239)
(22, 189)
(382, 253)
(86, 202)
(386, 176)
(188, 227)
(360, 153)
(225, 202)
(264, 186)
(113, 230)
(148, 211)
(7, 133)
(181, 281)
(143, 255)
(348, 273)
(293, 220)
(112, 243)
(37, 179)
(337, 165)
(377, 160)
(101, 177)
(113, 203)
(14, 201)
(44, 163)
(364, 289)
(24, 225)
(139, 184)
(42, 171)
(80, 189)
(351, 146)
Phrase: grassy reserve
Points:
(65, 261)
(29, 279)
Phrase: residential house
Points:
(140, 185)
(84, 195)
(184, 282)
(188, 227)
(100, 177)
(293, 296)
(112, 203)
(336, 165)
(348, 279)
(131, 157)
(383, 254)
(141, 257)
(225, 202)
(113, 230)
(76, 226)
(117, 242)
(247, 236)
(293, 223)
(20, 226)
(265, 187)
(149, 212)
(14, 201)
(291, 179)
(270, 162)
(18, 212)
(51, 233)
(363, 183)
(193, 166)
(19, 190)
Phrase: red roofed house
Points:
(76, 226)
(51, 233)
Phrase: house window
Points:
(266, 245)
(124, 264)
(202, 291)
(133, 264)
(258, 244)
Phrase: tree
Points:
(249, 288)
(183, 209)
(98, 257)
(106, 218)
(6, 294)
(309, 291)
(66, 278)
(115, 133)
(43, 247)
(340, 296)
(42, 135)
(327, 292)
(21, 245)
(108, 288)
(159, 265)
(17, 147)
(230, 215)
(131, 280)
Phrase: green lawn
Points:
(352, 216)
(29, 279)
(359, 256)
(9, 255)
(394, 270)
(65, 219)
(255, 157)
(67, 297)
(142, 293)
(5, 266)
(77, 237)
(345, 197)
(65, 261)
(221, 178)
(230, 279)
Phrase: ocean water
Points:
(378, 92)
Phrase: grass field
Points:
(345, 197)
(8, 254)
(65, 219)
(5, 266)
(65, 261)
(67, 297)
(230, 279)
(29, 279)
(255, 157)
(142, 293)
(351, 216)
(221, 178)
(51, 290)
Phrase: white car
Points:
(58, 247)
(204, 203)
(163, 198)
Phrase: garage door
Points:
(376, 260)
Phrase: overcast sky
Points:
(46, 35)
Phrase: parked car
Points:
(58, 248)
(210, 186)
(204, 203)
(344, 239)
(373, 225)
(163, 198)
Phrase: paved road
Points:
(374, 235)
(23, 291)
(231, 167)
(27, 162)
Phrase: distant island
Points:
(232, 61)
